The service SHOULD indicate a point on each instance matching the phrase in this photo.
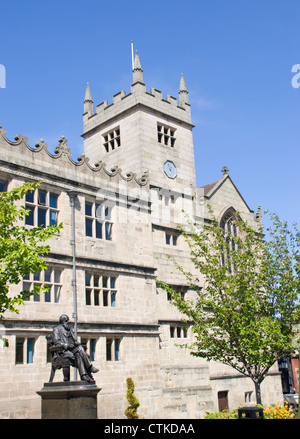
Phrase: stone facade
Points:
(134, 180)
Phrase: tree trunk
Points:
(257, 392)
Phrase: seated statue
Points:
(66, 351)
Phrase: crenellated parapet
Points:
(174, 108)
(61, 157)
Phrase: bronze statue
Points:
(66, 351)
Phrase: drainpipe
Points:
(72, 196)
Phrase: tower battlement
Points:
(173, 108)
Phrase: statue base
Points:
(69, 400)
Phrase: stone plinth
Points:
(69, 400)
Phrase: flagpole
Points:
(132, 55)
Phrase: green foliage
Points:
(131, 411)
(274, 411)
(20, 247)
(243, 316)
(224, 414)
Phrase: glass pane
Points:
(29, 219)
(57, 276)
(36, 296)
(88, 208)
(87, 297)
(88, 227)
(105, 298)
(174, 240)
(98, 229)
(3, 186)
(48, 294)
(112, 282)
(37, 275)
(19, 350)
(47, 275)
(117, 349)
(30, 344)
(42, 197)
(108, 349)
(113, 298)
(108, 231)
(104, 281)
(41, 217)
(53, 200)
(56, 293)
(29, 197)
(52, 218)
(88, 279)
(26, 287)
(235, 229)
(96, 280)
(168, 238)
(93, 349)
(98, 210)
(96, 297)
(108, 213)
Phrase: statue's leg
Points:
(66, 373)
(52, 374)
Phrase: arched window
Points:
(230, 231)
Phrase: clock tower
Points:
(144, 132)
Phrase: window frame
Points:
(24, 353)
(112, 139)
(113, 354)
(39, 207)
(40, 278)
(99, 213)
(166, 135)
(102, 293)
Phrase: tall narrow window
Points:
(113, 349)
(230, 232)
(3, 186)
(19, 350)
(30, 347)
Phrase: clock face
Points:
(170, 169)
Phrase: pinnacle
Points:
(88, 96)
(182, 86)
(137, 63)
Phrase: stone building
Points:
(131, 185)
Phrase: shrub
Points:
(279, 411)
(131, 411)
(274, 411)
(224, 414)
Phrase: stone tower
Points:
(141, 131)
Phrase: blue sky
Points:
(236, 57)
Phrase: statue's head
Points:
(64, 319)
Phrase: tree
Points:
(244, 314)
(131, 411)
(21, 250)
